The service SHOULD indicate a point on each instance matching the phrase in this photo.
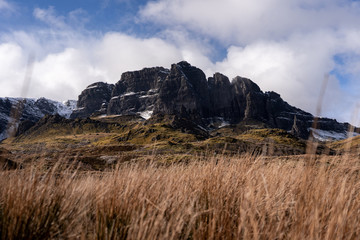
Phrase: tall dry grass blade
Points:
(312, 143)
(351, 130)
(242, 197)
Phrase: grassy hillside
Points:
(101, 142)
(347, 145)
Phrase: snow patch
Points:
(128, 94)
(165, 71)
(224, 124)
(285, 118)
(146, 96)
(146, 114)
(218, 122)
(324, 135)
(70, 104)
(63, 110)
(91, 87)
(153, 90)
(202, 128)
(123, 95)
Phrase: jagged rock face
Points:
(5, 109)
(137, 91)
(181, 90)
(185, 92)
(281, 114)
(300, 128)
(221, 96)
(46, 107)
(248, 100)
(92, 100)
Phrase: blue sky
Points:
(102, 16)
(284, 46)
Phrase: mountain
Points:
(183, 90)
(19, 114)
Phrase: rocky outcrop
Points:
(137, 92)
(184, 91)
(93, 100)
(19, 114)
(220, 94)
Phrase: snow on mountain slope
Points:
(31, 110)
(323, 135)
(71, 104)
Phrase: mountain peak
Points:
(246, 84)
(183, 64)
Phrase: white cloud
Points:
(48, 16)
(74, 20)
(4, 5)
(12, 69)
(233, 21)
(119, 52)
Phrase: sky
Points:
(286, 46)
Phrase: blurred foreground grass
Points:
(209, 197)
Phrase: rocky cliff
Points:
(183, 90)
(93, 100)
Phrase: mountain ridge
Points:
(183, 91)
(19, 114)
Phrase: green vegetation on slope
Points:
(98, 141)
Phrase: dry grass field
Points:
(211, 197)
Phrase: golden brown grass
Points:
(208, 198)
